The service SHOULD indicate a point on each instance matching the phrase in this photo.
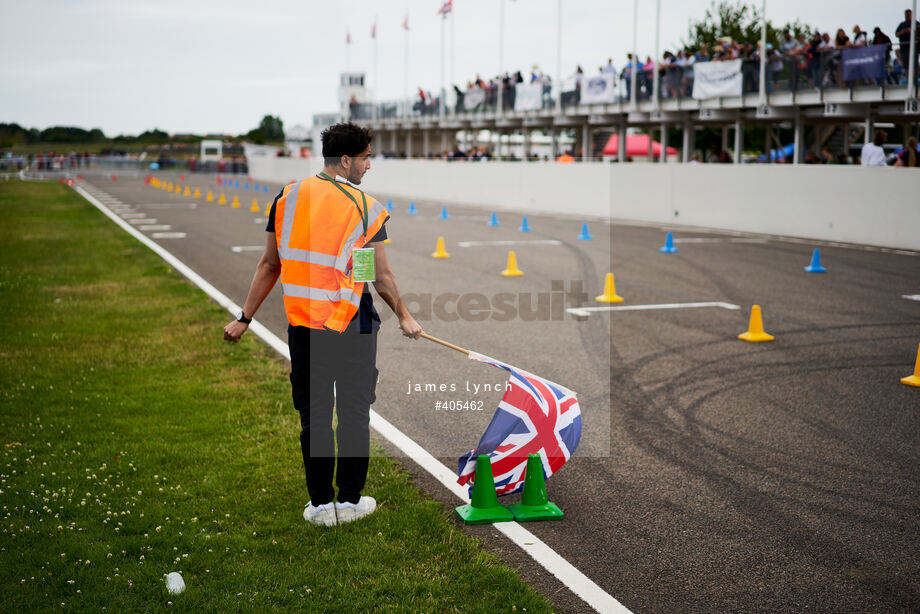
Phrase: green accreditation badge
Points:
(362, 264)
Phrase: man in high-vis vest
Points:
(325, 242)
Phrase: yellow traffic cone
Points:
(913, 380)
(178, 189)
(187, 191)
(610, 292)
(210, 196)
(387, 240)
(439, 251)
(255, 208)
(512, 270)
(222, 200)
(755, 332)
(155, 182)
(197, 193)
(268, 209)
(236, 202)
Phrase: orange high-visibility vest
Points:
(316, 227)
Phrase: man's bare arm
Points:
(263, 281)
(385, 285)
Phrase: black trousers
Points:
(319, 360)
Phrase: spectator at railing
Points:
(609, 68)
(903, 34)
(880, 38)
(860, 38)
(626, 75)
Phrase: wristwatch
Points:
(241, 317)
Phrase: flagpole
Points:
(406, 104)
(441, 96)
(501, 58)
(559, 56)
(376, 74)
(633, 70)
(445, 344)
(452, 51)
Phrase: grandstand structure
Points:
(816, 105)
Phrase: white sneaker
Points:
(348, 512)
(322, 514)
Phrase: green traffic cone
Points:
(484, 507)
(534, 504)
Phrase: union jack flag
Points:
(446, 8)
(534, 416)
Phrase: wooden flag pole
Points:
(445, 343)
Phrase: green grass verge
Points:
(135, 442)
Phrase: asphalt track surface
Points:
(713, 475)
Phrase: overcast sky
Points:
(219, 65)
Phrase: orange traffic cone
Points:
(755, 332)
(512, 269)
(210, 196)
(236, 202)
(197, 193)
(439, 251)
(255, 208)
(610, 292)
(222, 200)
(913, 380)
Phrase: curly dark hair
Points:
(344, 139)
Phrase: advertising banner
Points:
(864, 62)
(528, 96)
(474, 100)
(599, 90)
(714, 79)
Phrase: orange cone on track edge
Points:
(914, 380)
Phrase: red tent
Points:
(636, 146)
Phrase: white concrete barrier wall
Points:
(871, 206)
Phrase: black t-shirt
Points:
(905, 38)
(368, 318)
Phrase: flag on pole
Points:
(347, 37)
(534, 416)
(446, 8)
(406, 22)
(374, 29)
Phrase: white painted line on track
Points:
(247, 248)
(156, 227)
(521, 242)
(911, 297)
(586, 311)
(168, 235)
(261, 220)
(717, 240)
(131, 216)
(170, 205)
(552, 561)
(143, 220)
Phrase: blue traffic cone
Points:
(585, 235)
(265, 189)
(815, 266)
(668, 247)
(412, 209)
(444, 215)
(524, 227)
(246, 186)
(237, 184)
(389, 204)
(255, 186)
(493, 221)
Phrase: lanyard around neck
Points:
(363, 213)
